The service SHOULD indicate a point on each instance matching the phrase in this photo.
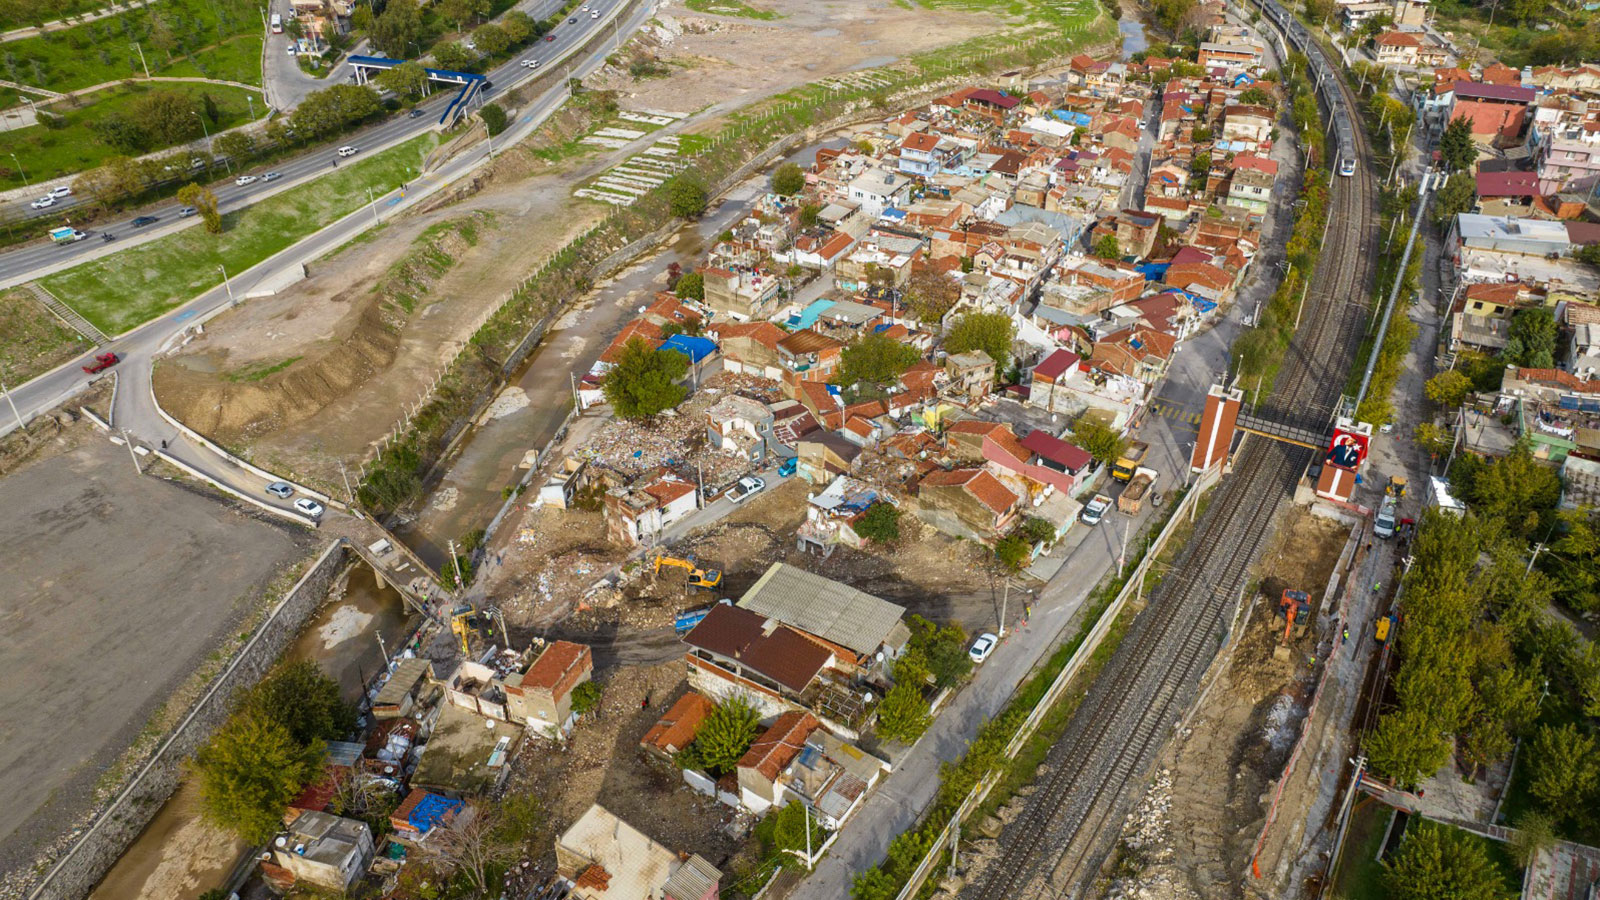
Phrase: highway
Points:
(36, 260)
(134, 411)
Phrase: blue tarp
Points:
(1244, 78)
(1152, 271)
(1200, 303)
(808, 317)
(696, 348)
(430, 809)
(1070, 117)
(893, 215)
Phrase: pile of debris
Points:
(1146, 869)
(674, 440)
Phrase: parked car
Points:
(348, 150)
(60, 190)
(292, 49)
(271, 176)
(281, 490)
(982, 647)
(43, 203)
(101, 363)
(142, 221)
(186, 212)
(1095, 509)
(243, 180)
(747, 487)
(309, 506)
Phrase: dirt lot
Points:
(119, 587)
(726, 60)
(1194, 832)
(32, 342)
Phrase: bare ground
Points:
(1195, 831)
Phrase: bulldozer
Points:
(698, 577)
(1294, 606)
(1396, 487)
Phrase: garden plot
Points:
(626, 182)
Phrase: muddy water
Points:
(1133, 35)
(179, 856)
(532, 407)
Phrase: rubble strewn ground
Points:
(1195, 830)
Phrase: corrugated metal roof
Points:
(693, 880)
(832, 611)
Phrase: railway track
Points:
(1057, 844)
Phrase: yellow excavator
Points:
(460, 625)
(698, 577)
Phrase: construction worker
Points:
(1346, 636)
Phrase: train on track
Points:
(1323, 76)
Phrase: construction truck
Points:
(461, 625)
(1295, 607)
(1396, 487)
(698, 577)
(1133, 496)
(1384, 627)
(1385, 523)
(1127, 465)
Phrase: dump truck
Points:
(1133, 496)
(1128, 464)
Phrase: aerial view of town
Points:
(800, 449)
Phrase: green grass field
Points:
(23, 13)
(45, 153)
(731, 8)
(123, 290)
(178, 37)
(1063, 13)
(32, 341)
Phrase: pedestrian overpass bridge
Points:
(367, 67)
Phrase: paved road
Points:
(32, 261)
(135, 411)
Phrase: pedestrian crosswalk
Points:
(1174, 412)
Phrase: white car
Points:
(243, 180)
(747, 487)
(982, 647)
(43, 203)
(280, 489)
(1095, 510)
(292, 49)
(309, 506)
(60, 190)
(530, 64)
(594, 15)
(348, 150)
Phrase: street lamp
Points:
(21, 170)
(227, 284)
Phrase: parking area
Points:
(118, 587)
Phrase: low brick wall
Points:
(82, 866)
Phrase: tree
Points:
(455, 57)
(585, 697)
(1432, 439)
(1459, 195)
(873, 363)
(407, 79)
(1457, 150)
(204, 203)
(990, 332)
(1588, 253)
(1101, 441)
(1531, 340)
(120, 133)
(333, 109)
(880, 524)
(249, 771)
(788, 180)
(396, 30)
(494, 118)
(1535, 832)
(1035, 530)
(903, 714)
(519, 27)
(1200, 166)
(783, 835)
(644, 380)
(690, 286)
(208, 105)
(1564, 773)
(942, 651)
(474, 849)
(304, 700)
(1172, 14)
(491, 39)
(1012, 552)
(1437, 862)
(686, 195)
(1257, 96)
(874, 884)
(459, 12)
(727, 732)
(1515, 489)
(930, 294)
(1448, 388)
(1106, 247)
(1407, 746)
(236, 145)
(362, 19)
(808, 215)
(165, 118)
(107, 185)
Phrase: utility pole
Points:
(374, 204)
(1534, 558)
(381, 648)
(141, 59)
(227, 284)
(20, 427)
(129, 441)
(1005, 597)
(348, 494)
(455, 560)
(21, 171)
(572, 379)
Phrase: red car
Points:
(101, 363)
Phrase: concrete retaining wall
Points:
(87, 861)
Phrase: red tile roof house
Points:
(542, 697)
(641, 511)
(677, 727)
(759, 768)
(1497, 112)
(736, 652)
(1024, 469)
(969, 503)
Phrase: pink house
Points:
(1038, 458)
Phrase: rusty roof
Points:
(674, 730)
(986, 488)
(559, 668)
(762, 645)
